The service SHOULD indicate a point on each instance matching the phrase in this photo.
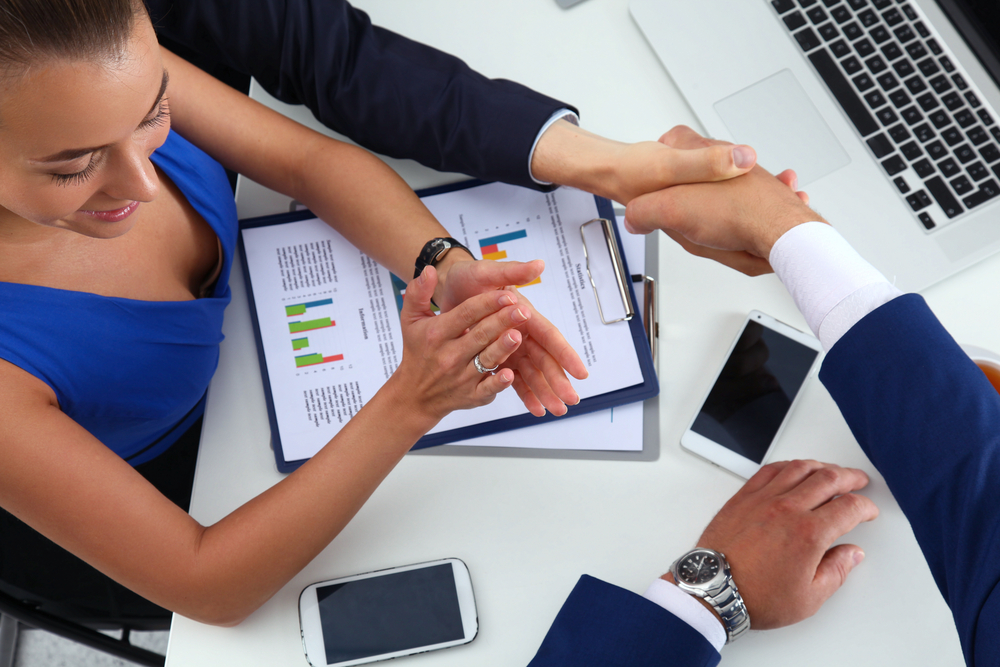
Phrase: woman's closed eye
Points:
(159, 118)
(78, 177)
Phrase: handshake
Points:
(734, 217)
(709, 196)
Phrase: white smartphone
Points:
(388, 613)
(756, 388)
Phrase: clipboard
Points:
(645, 388)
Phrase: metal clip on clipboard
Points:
(649, 285)
(649, 310)
(617, 266)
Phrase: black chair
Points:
(15, 613)
(44, 586)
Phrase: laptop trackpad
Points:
(777, 118)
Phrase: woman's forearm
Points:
(245, 558)
(366, 201)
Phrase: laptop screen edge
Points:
(970, 19)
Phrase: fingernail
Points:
(506, 300)
(519, 316)
(859, 556)
(628, 226)
(511, 341)
(744, 156)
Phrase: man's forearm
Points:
(386, 92)
(928, 419)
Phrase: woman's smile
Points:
(116, 215)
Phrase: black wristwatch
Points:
(434, 251)
(705, 573)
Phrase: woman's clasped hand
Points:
(544, 357)
(438, 372)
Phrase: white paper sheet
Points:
(329, 315)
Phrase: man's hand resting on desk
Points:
(734, 222)
(544, 357)
(777, 532)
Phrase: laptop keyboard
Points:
(912, 104)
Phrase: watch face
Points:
(698, 568)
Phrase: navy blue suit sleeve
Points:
(388, 93)
(601, 625)
(930, 422)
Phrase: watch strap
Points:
(434, 251)
(728, 603)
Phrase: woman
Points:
(116, 242)
(123, 231)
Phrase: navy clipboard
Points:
(645, 389)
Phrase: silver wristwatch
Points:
(705, 573)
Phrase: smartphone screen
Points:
(754, 391)
(398, 611)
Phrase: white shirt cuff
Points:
(831, 284)
(688, 609)
(559, 115)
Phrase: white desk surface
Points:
(528, 528)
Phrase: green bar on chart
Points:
(308, 360)
(313, 359)
(300, 308)
(309, 325)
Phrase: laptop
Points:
(887, 109)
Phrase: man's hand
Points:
(776, 534)
(544, 357)
(734, 222)
(569, 155)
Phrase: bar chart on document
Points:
(311, 327)
(496, 248)
(329, 327)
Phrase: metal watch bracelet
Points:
(733, 612)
